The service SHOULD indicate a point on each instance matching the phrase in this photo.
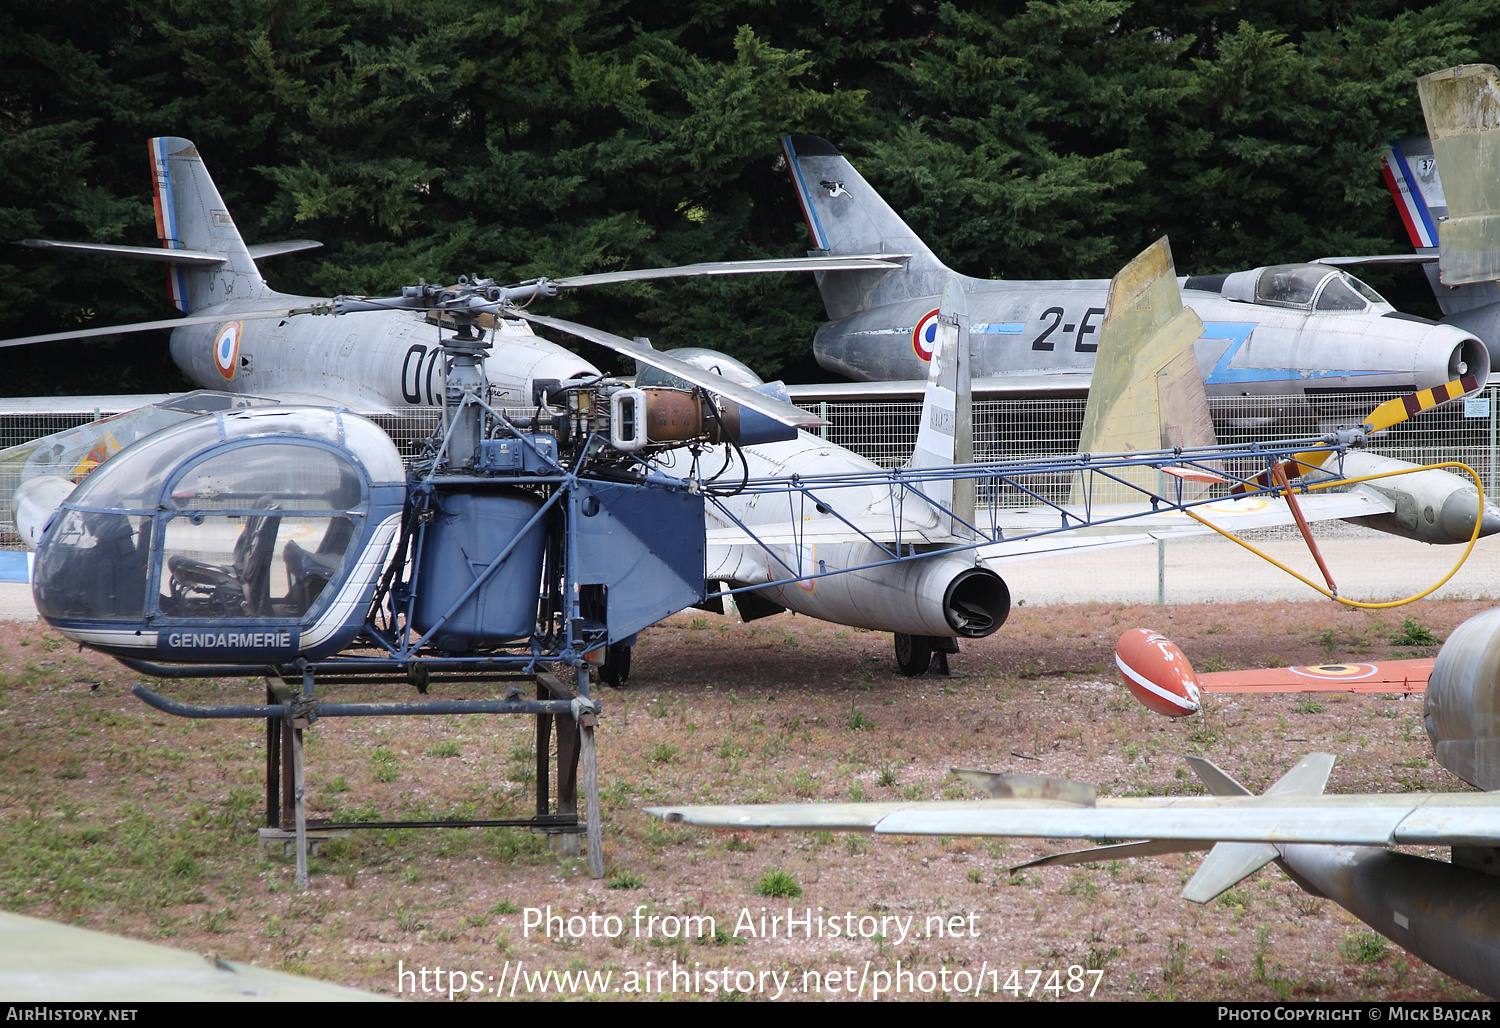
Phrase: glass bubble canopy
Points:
(240, 514)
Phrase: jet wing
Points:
(1405, 676)
(1427, 819)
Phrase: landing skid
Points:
(289, 713)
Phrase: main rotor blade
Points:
(743, 395)
(857, 262)
(148, 326)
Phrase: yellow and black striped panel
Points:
(1393, 412)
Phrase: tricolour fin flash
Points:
(1147, 391)
(1462, 108)
(191, 215)
(945, 435)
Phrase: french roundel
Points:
(925, 335)
(1344, 671)
(227, 348)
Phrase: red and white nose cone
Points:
(1157, 673)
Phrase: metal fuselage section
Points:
(1247, 349)
(929, 597)
(366, 361)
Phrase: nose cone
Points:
(1467, 356)
(1459, 512)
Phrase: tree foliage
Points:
(429, 138)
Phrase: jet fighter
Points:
(1288, 329)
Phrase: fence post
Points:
(1161, 549)
(1491, 476)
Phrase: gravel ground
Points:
(125, 820)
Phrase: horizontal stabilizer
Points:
(1308, 778)
(192, 258)
(1216, 778)
(1226, 865)
(1230, 863)
(276, 249)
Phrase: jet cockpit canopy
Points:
(1311, 287)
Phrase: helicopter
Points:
(291, 542)
(282, 534)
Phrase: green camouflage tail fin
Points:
(1147, 391)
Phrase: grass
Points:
(778, 884)
(1413, 633)
(151, 832)
(1363, 947)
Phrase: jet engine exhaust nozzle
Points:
(976, 603)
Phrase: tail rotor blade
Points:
(1393, 412)
(1389, 413)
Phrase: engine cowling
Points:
(1462, 716)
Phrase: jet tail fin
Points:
(1410, 171)
(845, 216)
(945, 435)
(1147, 391)
(190, 215)
(1462, 109)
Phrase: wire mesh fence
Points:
(1016, 429)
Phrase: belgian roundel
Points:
(924, 336)
(227, 349)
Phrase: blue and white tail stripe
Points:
(804, 196)
(1413, 193)
(166, 219)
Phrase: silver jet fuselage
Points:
(1052, 329)
(922, 597)
(373, 360)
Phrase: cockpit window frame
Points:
(166, 511)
